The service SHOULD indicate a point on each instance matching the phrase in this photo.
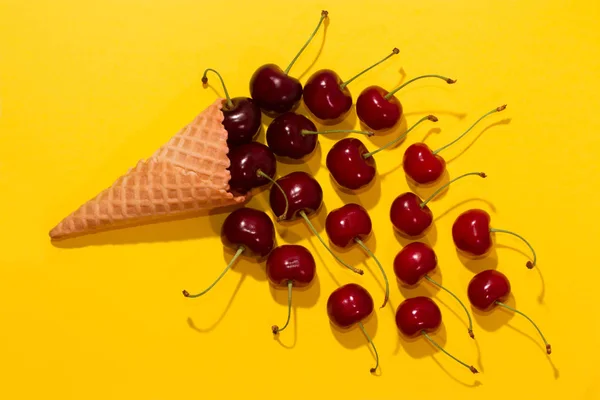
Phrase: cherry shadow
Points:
(349, 122)
(302, 297)
(294, 321)
(353, 337)
(321, 47)
(428, 237)
(505, 121)
(425, 191)
(423, 287)
(296, 230)
(383, 137)
(476, 265)
(368, 196)
(537, 341)
(455, 114)
(462, 203)
(474, 384)
(419, 347)
(495, 318)
(526, 256)
(309, 164)
(459, 315)
(432, 131)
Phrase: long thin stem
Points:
(275, 328)
(362, 327)
(323, 16)
(314, 231)
(274, 182)
(548, 347)
(448, 80)
(205, 80)
(370, 253)
(459, 301)
(394, 52)
(238, 253)
(529, 264)
(306, 132)
(497, 109)
(385, 146)
(424, 203)
(470, 367)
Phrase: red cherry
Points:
(491, 288)
(425, 166)
(471, 233)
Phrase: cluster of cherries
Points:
(298, 196)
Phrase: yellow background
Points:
(88, 88)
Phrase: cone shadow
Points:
(496, 318)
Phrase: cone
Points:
(188, 174)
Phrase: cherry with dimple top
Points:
(241, 116)
(352, 166)
(290, 265)
(247, 231)
(471, 233)
(410, 215)
(414, 262)
(349, 305)
(424, 166)
(351, 224)
(420, 316)
(491, 288)
(327, 97)
(380, 110)
(273, 89)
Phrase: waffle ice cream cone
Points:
(187, 174)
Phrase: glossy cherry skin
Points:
(348, 167)
(285, 138)
(471, 232)
(347, 223)
(418, 314)
(421, 165)
(349, 305)
(245, 161)
(290, 262)
(303, 192)
(486, 288)
(408, 217)
(242, 121)
(274, 91)
(413, 262)
(377, 112)
(324, 98)
(250, 228)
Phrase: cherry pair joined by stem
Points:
(327, 97)
(247, 231)
(489, 289)
(352, 166)
(273, 89)
(471, 233)
(411, 217)
(425, 166)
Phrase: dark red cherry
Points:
(251, 165)
(303, 193)
(286, 138)
(413, 262)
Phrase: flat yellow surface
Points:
(88, 88)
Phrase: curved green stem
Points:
(275, 328)
(548, 347)
(390, 94)
(370, 253)
(238, 253)
(344, 84)
(459, 301)
(307, 132)
(529, 264)
(470, 367)
(424, 203)
(385, 146)
(274, 182)
(323, 16)
(362, 327)
(497, 109)
(314, 231)
(205, 80)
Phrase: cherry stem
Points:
(344, 84)
(306, 132)
(314, 231)
(529, 264)
(470, 367)
(362, 327)
(205, 80)
(323, 16)
(238, 253)
(497, 109)
(459, 301)
(448, 80)
(424, 203)
(548, 347)
(275, 328)
(274, 182)
(429, 117)
(370, 253)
